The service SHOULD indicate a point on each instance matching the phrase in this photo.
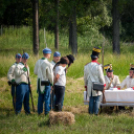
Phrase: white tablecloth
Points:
(115, 98)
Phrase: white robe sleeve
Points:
(124, 83)
(50, 74)
(118, 80)
(10, 74)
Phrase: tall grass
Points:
(121, 64)
(19, 39)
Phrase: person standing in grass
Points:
(44, 70)
(56, 59)
(60, 82)
(22, 91)
(11, 76)
(93, 73)
(70, 60)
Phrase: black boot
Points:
(58, 108)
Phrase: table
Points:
(115, 98)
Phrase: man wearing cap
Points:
(22, 92)
(129, 80)
(111, 79)
(93, 73)
(11, 77)
(56, 58)
(44, 70)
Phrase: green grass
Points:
(19, 39)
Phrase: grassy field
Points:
(105, 123)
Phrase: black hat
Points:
(63, 61)
(108, 68)
(131, 67)
(95, 52)
(71, 58)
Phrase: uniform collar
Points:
(43, 58)
(54, 61)
(22, 63)
(95, 61)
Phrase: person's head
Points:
(109, 70)
(95, 53)
(18, 58)
(70, 59)
(131, 71)
(47, 53)
(94, 58)
(63, 61)
(56, 57)
(109, 74)
(25, 57)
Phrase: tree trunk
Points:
(57, 25)
(116, 36)
(73, 32)
(35, 27)
(70, 33)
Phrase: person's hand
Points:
(85, 88)
(26, 65)
(52, 88)
(104, 89)
(30, 86)
(119, 87)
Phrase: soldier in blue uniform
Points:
(11, 77)
(44, 71)
(22, 79)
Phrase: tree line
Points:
(113, 18)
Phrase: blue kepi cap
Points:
(25, 56)
(47, 51)
(18, 56)
(57, 54)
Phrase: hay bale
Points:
(66, 118)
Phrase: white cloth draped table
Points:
(116, 98)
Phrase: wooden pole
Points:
(35, 27)
(57, 25)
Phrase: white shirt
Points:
(62, 79)
(128, 82)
